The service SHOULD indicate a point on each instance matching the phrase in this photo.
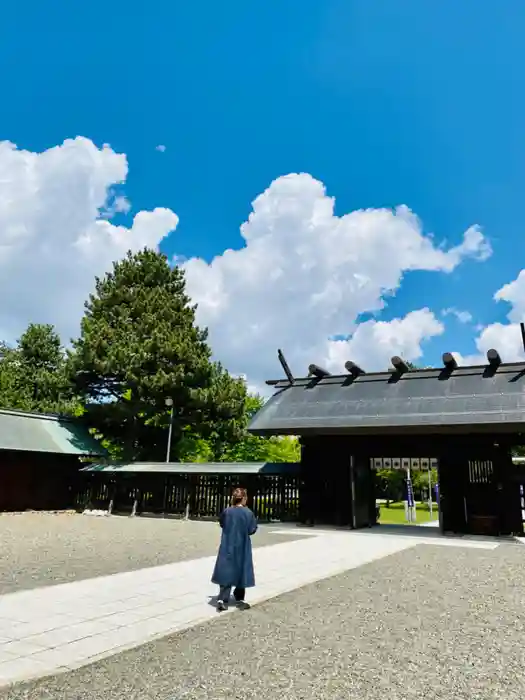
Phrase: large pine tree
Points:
(139, 346)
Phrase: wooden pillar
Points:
(342, 459)
(508, 492)
(307, 491)
(353, 491)
(452, 473)
(362, 487)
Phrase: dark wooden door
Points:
(471, 497)
(363, 491)
(451, 493)
(512, 496)
(482, 507)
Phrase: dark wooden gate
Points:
(514, 499)
(126, 492)
(480, 500)
(173, 496)
(479, 494)
(272, 497)
(94, 491)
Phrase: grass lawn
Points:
(395, 514)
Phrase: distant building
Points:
(40, 457)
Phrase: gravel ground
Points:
(44, 549)
(432, 622)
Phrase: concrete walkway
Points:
(431, 523)
(62, 627)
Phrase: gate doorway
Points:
(402, 482)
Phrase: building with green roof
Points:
(40, 457)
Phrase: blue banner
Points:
(410, 493)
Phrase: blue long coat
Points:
(234, 565)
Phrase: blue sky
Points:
(387, 103)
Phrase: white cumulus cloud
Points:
(514, 294)
(303, 276)
(375, 342)
(54, 232)
(306, 274)
(504, 337)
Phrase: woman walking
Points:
(234, 565)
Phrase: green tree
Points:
(138, 346)
(285, 448)
(391, 484)
(420, 479)
(33, 374)
(226, 414)
(251, 448)
(240, 445)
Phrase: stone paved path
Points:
(62, 627)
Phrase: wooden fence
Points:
(273, 498)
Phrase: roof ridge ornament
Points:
(399, 364)
(284, 365)
(353, 369)
(318, 372)
(493, 358)
(449, 361)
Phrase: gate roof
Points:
(461, 400)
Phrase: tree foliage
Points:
(139, 345)
(33, 374)
(251, 448)
(244, 447)
(392, 483)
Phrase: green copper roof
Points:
(33, 432)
